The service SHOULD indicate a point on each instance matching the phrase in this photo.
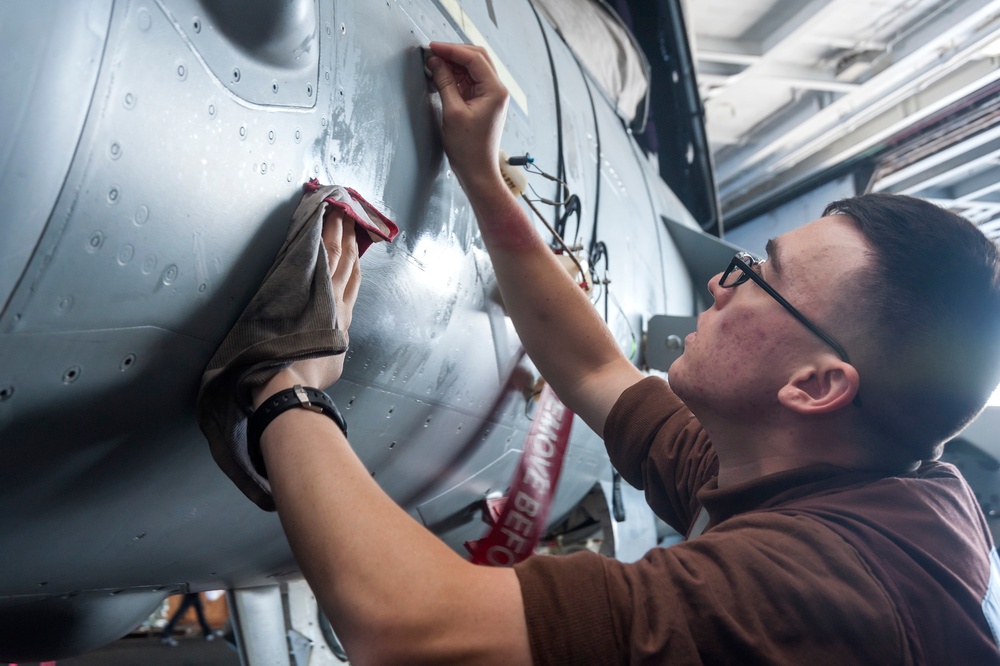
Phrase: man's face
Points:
(747, 345)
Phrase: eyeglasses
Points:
(741, 268)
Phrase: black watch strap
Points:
(298, 396)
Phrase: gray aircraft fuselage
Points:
(154, 151)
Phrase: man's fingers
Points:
(473, 58)
(333, 230)
(350, 296)
(347, 259)
(445, 82)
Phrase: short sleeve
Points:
(658, 446)
(762, 588)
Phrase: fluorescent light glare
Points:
(994, 399)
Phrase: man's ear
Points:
(820, 388)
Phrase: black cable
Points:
(560, 165)
(572, 206)
(600, 157)
(617, 505)
(597, 252)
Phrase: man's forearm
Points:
(557, 324)
(392, 590)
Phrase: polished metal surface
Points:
(148, 188)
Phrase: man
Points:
(828, 539)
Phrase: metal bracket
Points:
(664, 340)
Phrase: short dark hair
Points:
(927, 321)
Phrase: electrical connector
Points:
(515, 178)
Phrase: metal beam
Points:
(982, 186)
(740, 189)
(964, 159)
(787, 26)
(898, 96)
(728, 51)
(804, 78)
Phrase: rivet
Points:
(113, 194)
(322, 122)
(127, 363)
(65, 303)
(129, 100)
(309, 90)
(263, 168)
(329, 31)
(202, 287)
(236, 74)
(298, 136)
(274, 87)
(211, 110)
(149, 264)
(141, 215)
(5, 394)
(243, 131)
(95, 242)
(270, 136)
(182, 72)
(125, 254)
(343, 28)
(144, 19)
(196, 24)
(115, 150)
(72, 374)
(170, 274)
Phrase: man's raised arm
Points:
(559, 327)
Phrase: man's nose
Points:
(714, 286)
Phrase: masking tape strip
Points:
(463, 21)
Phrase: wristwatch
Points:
(298, 396)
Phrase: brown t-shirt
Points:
(815, 566)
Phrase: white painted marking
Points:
(477, 38)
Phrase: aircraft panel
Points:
(168, 203)
(46, 97)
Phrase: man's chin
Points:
(675, 375)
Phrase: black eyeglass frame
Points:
(745, 263)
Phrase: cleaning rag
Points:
(291, 317)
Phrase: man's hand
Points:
(558, 326)
(474, 105)
(345, 272)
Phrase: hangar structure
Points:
(902, 94)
